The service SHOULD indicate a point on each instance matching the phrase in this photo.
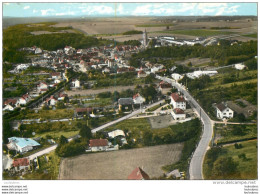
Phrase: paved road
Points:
(196, 163)
(123, 118)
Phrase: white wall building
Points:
(97, 145)
(178, 114)
(197, 74)
(178, 101)
(224, 112)
(239, 66)
(138, 99)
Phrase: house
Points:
(51, 101)
(10, 101)
(239, 66)
(42, 85)
(56, 75)
(62, 96)
(125, 103)
(178, 114)
(38, 51)
(21, 164)
(165, 87)
(138, 99)
(23, 100)
(197, 74)
(119, 134)
(21, 144)
(178, 101)
(75, 83)
(223, 111)
(141, 74)
(83, 111)
(9, 107)
(138, 174)
(176, 76)
(96, 145)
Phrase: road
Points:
(52, 148)
(196, 163)
(123, 118)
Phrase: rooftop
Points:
(138, 174)
(23, 142)
(177, 98)
(98, 142)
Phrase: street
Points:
(196, 163)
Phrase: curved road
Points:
(196, 163)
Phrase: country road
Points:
(196, 164)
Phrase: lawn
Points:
(251, 35)
(155, 107)
(48, 114)
(154, 25)
(198, 32)
(246, 166)
(231, 133)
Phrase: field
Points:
(118, 165)
(247, 165)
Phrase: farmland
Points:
(118, 165)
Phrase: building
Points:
(42, 85)
(116, 133)
(38, 51)
(178, 101)
(23, 100)
(125, 103)
(178, 114)
(22, 144)
(165, 87)
(52, 101)
(97, 145)
(138, 99)
(9, 107)
(83, 111)
(76, 83)
(141, 73)
(197, 74)
(138, 174)
(145, 38)
(223, 111)
(21, 164)
(177, 76)
(239, 66)
(56, 75)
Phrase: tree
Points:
(148, 138)
(225, 167)
(63, 140)
(85, 132)
(60, 105)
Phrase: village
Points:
(80, 96)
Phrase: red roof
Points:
(165, 84)
(98, 142)
(141, 72)
(55, 74)
(136, 95)
(89, 109)
(20, 162)
(138, 174)
(177, 98)
(178, 111)
(10, 101)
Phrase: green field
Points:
(246, 167)
(154, 25)
(251, 35)
(198, 32)
(235, 132)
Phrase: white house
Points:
(21, 144)
(177, 76)
(8, 107)
(97, 145)
(42, 85)
(178, 101)
(197, 74)
(239, 66)
(223, 111)
(56, 75)
(23, 100)
(76, 83)
(116, 133)
(38, 51)
(51, 101)
(178, 114)
(138, 99)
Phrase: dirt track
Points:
(117, 165)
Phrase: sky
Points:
(127, 9)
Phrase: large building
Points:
(145, 38)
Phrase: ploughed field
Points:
(117, 165)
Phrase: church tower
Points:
(145, 39)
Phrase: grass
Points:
(49, 114)
(227, 135)
(251, 35)
(57, 134)
(51, 168)
(154, 25)
(155, 107)
(198, 32)
(247, 168)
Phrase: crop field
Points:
(117, 165)
(199, 32)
